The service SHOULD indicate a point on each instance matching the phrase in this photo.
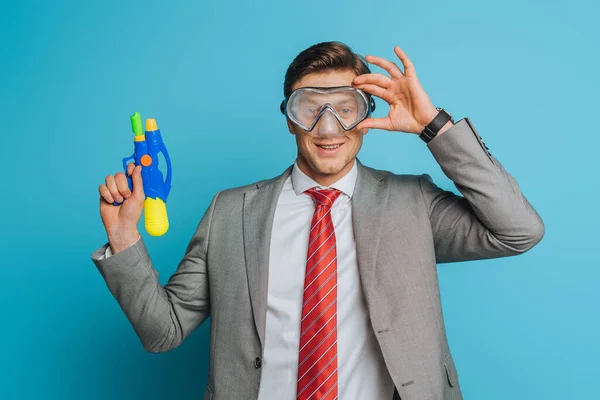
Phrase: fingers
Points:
(392, 68)
(130, 168)
(389, 66)
(372, 89)
(373, 79)
(116, 188)
(105, 194)
(409, 69)
(376, 123)
(111, 184)
(136, 179)
(122, 185)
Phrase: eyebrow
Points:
(342, 102)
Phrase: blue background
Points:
(211, 73)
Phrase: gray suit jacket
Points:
(403, 226)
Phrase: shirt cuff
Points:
(109, 252)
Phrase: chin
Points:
(329, 167)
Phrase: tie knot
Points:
(323, 197)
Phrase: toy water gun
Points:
(147, 146)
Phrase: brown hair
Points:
(322, 57)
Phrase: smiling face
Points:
(327, 153)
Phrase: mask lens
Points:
(306, 106)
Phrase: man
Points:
(321, 283)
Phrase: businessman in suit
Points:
(321, 283)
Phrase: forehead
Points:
(326, 79)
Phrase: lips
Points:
(328, 145)
(328, 149)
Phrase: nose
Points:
(328, 125)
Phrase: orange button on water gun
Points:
(146, 160)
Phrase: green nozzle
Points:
(136, 124)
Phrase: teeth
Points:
(330, 147)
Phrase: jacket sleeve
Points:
(493, 219)
(161, 316)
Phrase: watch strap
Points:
(432, 129)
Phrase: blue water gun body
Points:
(146, 148)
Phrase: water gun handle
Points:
(129, 181)
(157, 221)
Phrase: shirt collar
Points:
(302, 182)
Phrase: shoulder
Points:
(396, 179)
(237, 193)
(401, 190)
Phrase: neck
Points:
(324, 179)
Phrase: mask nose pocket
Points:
(328, 124)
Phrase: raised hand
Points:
(410, 107)
(121, 221)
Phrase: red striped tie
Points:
(317, 361)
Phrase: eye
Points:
(346, 110)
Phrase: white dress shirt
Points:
(362, 373)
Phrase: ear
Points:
(290, 125)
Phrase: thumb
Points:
(377, 123)
(136, 180)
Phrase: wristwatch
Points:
(435, 125)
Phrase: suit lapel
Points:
(368, 205)
(369, 202)
(259, 210)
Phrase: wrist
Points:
(448, 125)
(430, 115)
(121, 239)
(440, 122)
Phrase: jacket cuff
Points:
(459, 141)
(136, 254)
